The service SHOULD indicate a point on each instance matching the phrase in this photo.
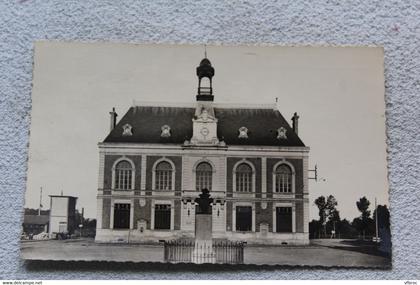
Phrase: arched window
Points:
(283, 176)
(123, 175)
(204, 175)
(163, 178)
(243, 178)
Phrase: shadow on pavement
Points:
(362, 246)
(42, 265)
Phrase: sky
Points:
(337, 92)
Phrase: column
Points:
(233, 217)
(111, 215)
(253, 217)
(132, 214)
(99, 206)
(293, 217)
(101, 170)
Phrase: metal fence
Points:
(204, 252)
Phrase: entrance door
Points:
(284, 219)
(244, 218)
(121, 216)
(162, 217)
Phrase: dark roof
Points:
(36, 220)
(63, 196)
(262, 125)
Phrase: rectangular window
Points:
(163, 180)
(162, 217)
(123, 179)
(244, 218)
(284, 219)
(243, 182)
(283, 183)
(121, 216)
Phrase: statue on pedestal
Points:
(204, 202)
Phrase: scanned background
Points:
(392, 24)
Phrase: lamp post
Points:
(376, 222)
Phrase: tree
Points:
(364, 221)
(333, 222)
(314, 229)
(383, 216)
(363, 206)
(384, 230)
(327, 210)
(346, 230)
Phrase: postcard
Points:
(262, 155)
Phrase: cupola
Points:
(205, 73)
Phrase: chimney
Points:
(295, 122)
(113, 119)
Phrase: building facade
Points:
(62, 215)
(158, 157)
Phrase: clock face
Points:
(204, 131)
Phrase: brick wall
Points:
(137, 215)
(106, 212)
(264, 216)
(145, 212)
(299, 217)
(109, 162)
(229, 216)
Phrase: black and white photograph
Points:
(208, 154)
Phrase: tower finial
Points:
(205, 51)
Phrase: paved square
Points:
(320, 253)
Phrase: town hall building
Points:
(158, 158)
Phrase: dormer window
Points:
(127, 130)
(281, 133)
(166, 131)
(243, 133)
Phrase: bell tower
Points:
(205, 73)
(204, 120)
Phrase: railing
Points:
(204, 251)
(229, 252)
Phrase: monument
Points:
(203, 250)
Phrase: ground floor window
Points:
(244, 218)
(163, 217)
(284, 219)
(121, 216)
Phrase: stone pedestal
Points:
(203, 248)
(203, 227)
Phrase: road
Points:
(320, 253)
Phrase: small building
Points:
(62, 214)
(35, 224)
